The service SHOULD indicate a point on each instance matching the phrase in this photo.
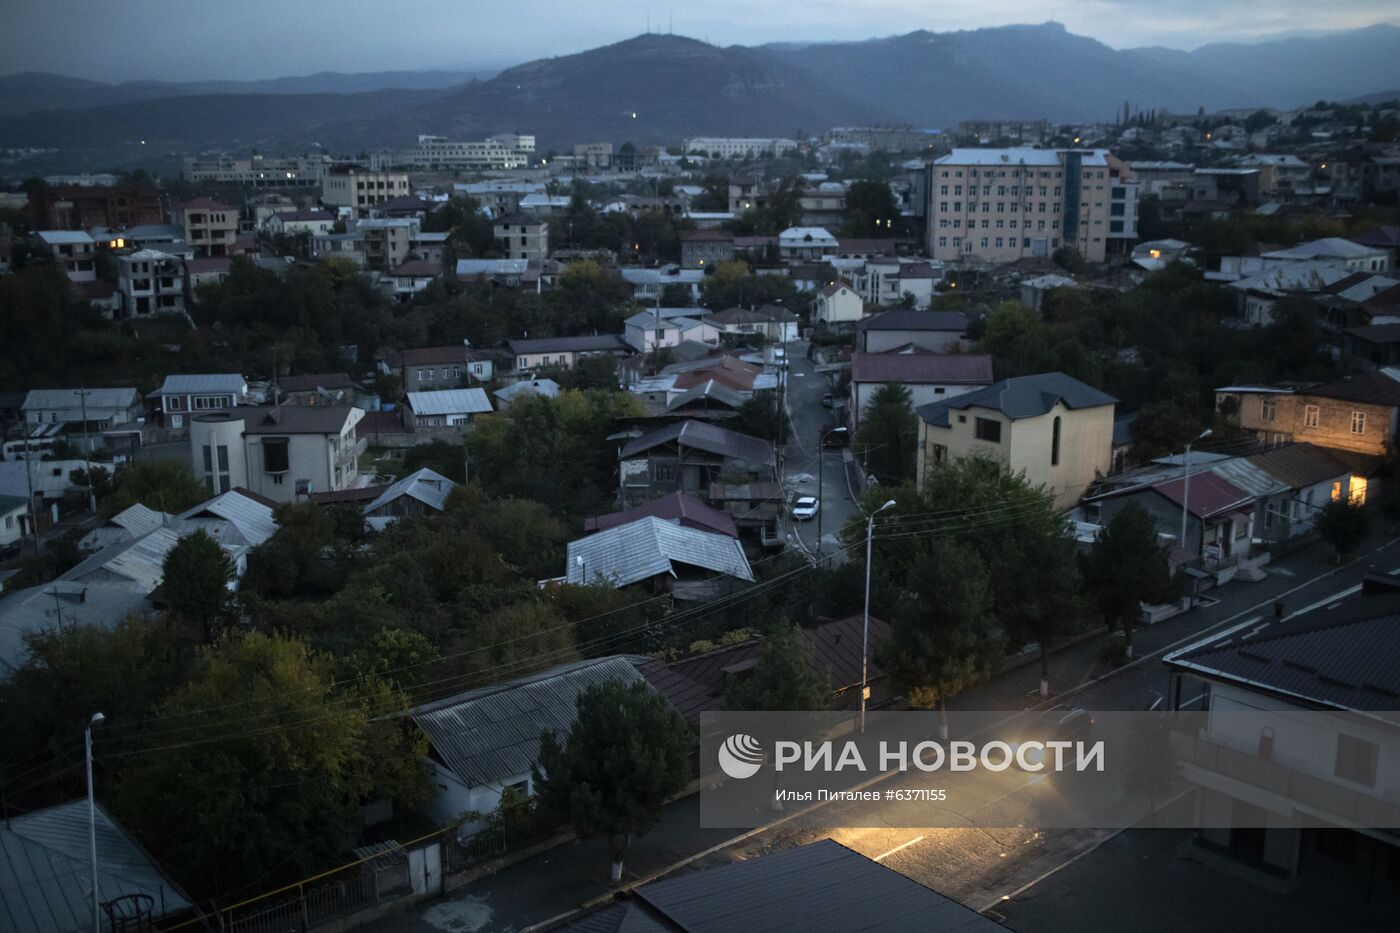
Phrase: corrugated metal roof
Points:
(651, 546)
(545, 387)
(143, 561)
(425, 485)
(139, 520)
(1210, 495)
(450, 402)
(712, 390)
(196, 383)
(493, 733)
(67, 603)
(253, 520)
(1300, 465)
(707, 437)
(96, 400)
(1248, 477)
(46, 873)
(922, 368)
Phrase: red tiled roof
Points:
(1210, 495)
(919, 368)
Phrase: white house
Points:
(184, 395)
(301, 223)
(837, 304)
(806, 243)
(446, 407)
(647, 284)
(929, 377)
(73, 251)
(283, 453)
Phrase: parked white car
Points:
(805, 508)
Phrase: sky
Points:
(182, 40)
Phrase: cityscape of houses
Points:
(350, 502)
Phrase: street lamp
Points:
(1186, 485)
(821, 475)
(865, 625)
(92, 819)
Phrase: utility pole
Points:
(92, 820)
(87, 447)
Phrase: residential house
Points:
(1154, 255)
(837, 306)
(1280, 175)
(648, 284)
(825, 205)
(1219, 516)
(431, 245)
(46, 873)
(354, 189)
(1362, 176)
(705, 249)
(680, 507)
(281, 452)
(773, 323)
(84, 418)
(317, 389)
(444, 407)
(688, 456)
(426, 368)
(300, 223)
(1348, 253)
(210, 226)
(471, 767)
(421, 492)
(411, 278)
(564, 352)
(819, 886)
(1296, 742)
(1052, 427)
(73, 251)
(510, 273)
(1260, 293)
(756, 506)
(150, 282)
(385, 242)
(543, 388)
(929, 377)
(890, 280)
(901, 328)
(523, 236)
(1310, 476)
(14, 515)
(660, 556)
(1034, 291)
(649, 331)
(184, 395)
(806, 243)
(1357, 414)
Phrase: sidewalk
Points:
(558, 881)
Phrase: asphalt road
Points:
(806, 471)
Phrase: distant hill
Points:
(30, 91)
(661, 89)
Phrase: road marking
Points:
(1328, 601)
(898, 848)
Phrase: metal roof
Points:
(1021, 397)
(449, 402)
(469, 267)
(1210, 495)
(493, 733)
(1347, 657)
(197, 383)
(819, 886)
(707, 437)
(650, 547)
(1249, 477)
(544, 387)
(425, 485)
(677, 506)
(914, 319)
(65, 237)
(922, 368)
(68, 399)
(46, 870)
(1298, 466)
(143, 560)
(139, 520)
(253, 519)
(709, 389)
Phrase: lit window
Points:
(1311, 415)
(1358, 422)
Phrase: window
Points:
(664, 472)
(940, 453)
(275, 456)
(1358, 422)
(1311, 414)
(1356, 760)
(174, 403)
(987, 429)
(1268, 409)
(277, 479)
(1055, 441)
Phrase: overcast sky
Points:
(192, 39)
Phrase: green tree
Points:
(627, 754)
(439, 456)
(889, 434)
(1126, 566)
(676, 295)
(785, 678)
(196, 577)
(1344, 525)
(760, 416)
(268, 768)
(163, 485)
(944, 638)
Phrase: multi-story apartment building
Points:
(736, 147)
(79, 207)
(258, 171)
(503, 151)
(893, 138)
(593, 155)
(1000, 205)
(385, 242)
(359, 189)
(1358, 176)
(150, 282)
(210, 226)
(523, 236)
(1280, 176)
(73, 251)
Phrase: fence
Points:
(383, 874)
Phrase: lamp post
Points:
(1186, 485)
(821, 476)
(865, 625)
(92, 819)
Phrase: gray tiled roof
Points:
(912, 319)
(45, 870)
(1021, 397)
(493, 733)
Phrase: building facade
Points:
(357, 189)
(501, 152)
(257, 171)
(211, 227)
(523, 236)
(284, 452)
(150, 282)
